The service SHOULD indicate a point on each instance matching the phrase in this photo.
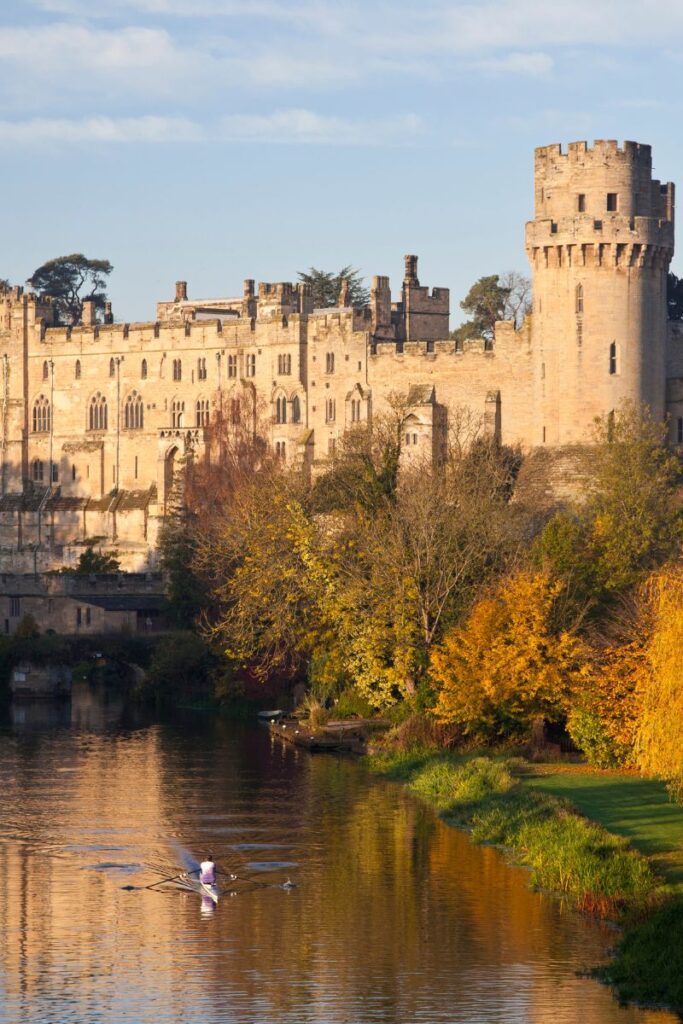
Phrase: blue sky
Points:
(214, 140)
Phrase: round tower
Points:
(599, 247)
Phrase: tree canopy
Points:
(69, 281)
(493, 298)
(674, 297)
(326, 286)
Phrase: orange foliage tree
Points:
(510, 662)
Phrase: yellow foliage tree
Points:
(659, 744)
(509, 662)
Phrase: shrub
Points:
(178, 668)
(590, 736)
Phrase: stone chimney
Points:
(108, 315)
(344, 294)
(181, 291)
(88, 313)
(410, 274)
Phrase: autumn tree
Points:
(509, 662)
(69, 281)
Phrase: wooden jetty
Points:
(349, 735)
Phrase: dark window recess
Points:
(611, 202)
(613, 357)
(581, 202)
(680, 429)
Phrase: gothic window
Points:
(97, 412)
(330, 410)
(177, 369)
(251, 366)
(134, 412)
(41, 415)
(284, 364)
(143, 369)
(578, 296)
(201, 368)
(329, 362)
(613, 357)
(355, 410)
(37, 471)
(232, 366)
(235, 414)
(296, 409)
(112, 368)
(177, 410)
(281, 409)
(46, 370)
(280, 449)
(202, 412)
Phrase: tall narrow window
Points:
(55, 473)
(280, 449)
(330, 410)
(37, 471)
(281, 410)
(73, 472)
(201, 368)
(97, 412)
(77, 370)
(143, 369)
(581, 203)
(680, 430)
(251, 365)
(134, 412)
(177, 410)
(613, 357)
(232, 366)
(41, 415)
(177, 369)
(112, 368)
(46, 370)
(202, 412)
(611, 202)
(329, 362)
(296, 409)
(578, 299)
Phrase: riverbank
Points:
(553, 821)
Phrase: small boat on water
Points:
(270, 716)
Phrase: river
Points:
(395, 918)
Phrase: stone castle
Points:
(97, 418)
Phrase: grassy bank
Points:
(537, 818)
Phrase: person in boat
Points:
(207, 871)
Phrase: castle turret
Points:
(599, 246)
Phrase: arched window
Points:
(41, 415)
(613, 357)
(281, 410)
(77, 370)
(134, 412)
(112, 368)
(177, 410)
(355, 410)
(177, 369)
(143, 369)
(296, 409)
(46, 370)
(202, 412)
(97, 412)
(37, 471)
(579, 299)
(330, 410)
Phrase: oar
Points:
(173, 878)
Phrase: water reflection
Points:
(395, 918)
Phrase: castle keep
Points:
(97, 418)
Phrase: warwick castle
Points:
(97, 418)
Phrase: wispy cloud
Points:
(284, 126)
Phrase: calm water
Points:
(395, 917)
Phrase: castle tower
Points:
(599, 248)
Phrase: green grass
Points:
(638, 809)
(648, 965)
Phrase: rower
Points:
(207, 871)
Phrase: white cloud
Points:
(284, 126)
(518, 63)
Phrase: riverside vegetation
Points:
(442, 599)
